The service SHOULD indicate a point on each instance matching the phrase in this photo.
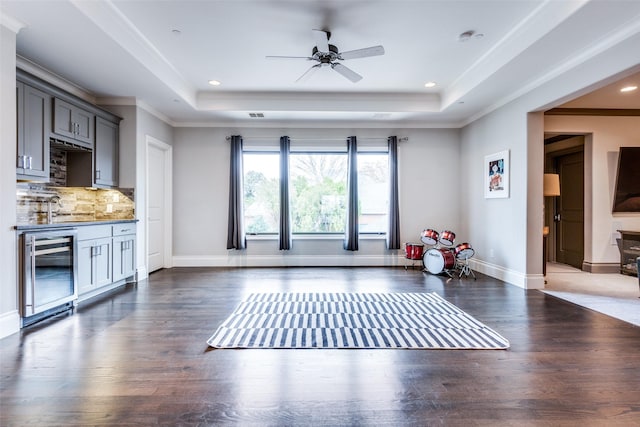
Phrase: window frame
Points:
(258, 152)
(271, 149)
(313, 233)
(366, 153)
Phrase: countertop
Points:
(71, 224)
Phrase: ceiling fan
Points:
(328, 55)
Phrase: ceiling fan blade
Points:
(308, 73)
(362, 53)
(322, 40)
(347, 72)
(288, 57)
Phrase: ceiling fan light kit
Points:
(328, 55)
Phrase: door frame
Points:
(167, 212)
(558, 145)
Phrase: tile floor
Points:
(615, 295)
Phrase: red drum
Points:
(413, 251)
(447, 237)
(429, 237)
(464, 251)
(436, 260)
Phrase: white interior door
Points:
(158, 205)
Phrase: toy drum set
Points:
(442, 256)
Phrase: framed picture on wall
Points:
(496, 175)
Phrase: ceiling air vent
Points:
(256, 115)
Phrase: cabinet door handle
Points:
(32, 255)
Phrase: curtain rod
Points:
(276, 138)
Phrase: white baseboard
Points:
(532, 281)
(9, 323)
(516, 278)
(141, 273)
(289, 261)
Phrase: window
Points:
(318, 188)
(261, 192)
(373, 192)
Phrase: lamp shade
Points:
(551, 184)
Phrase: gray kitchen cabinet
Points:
(106, 153)
(124, 251)
(73, 124)
(33, 125)
(95, 259)
(106, 257)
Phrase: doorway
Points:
(564, 155)
(159, 202)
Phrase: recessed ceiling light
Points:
(628, 88)
(468, 35)
(214, 83)
(463, 37)
(430, 84)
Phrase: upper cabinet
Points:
(49, 118)
(33, 125)
(105, 153)
(73, 123)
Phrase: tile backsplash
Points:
(76, 204)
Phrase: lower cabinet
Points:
(106, 257)
(124, 251)
(94, 264)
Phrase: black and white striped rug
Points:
(353, 320)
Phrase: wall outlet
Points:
(109, 208)
(615, 235)
(491, 255)
(115, 198)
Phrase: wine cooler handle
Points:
(32, 254)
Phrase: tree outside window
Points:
(318, 193)
(261, 192)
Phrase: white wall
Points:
(497, 228)
(429, 186)
(607, 135)
(9, 318)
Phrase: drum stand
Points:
(413, 263)
(448, 273)
(463, 266)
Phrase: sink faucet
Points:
(50, 202)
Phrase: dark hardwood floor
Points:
(138, 357)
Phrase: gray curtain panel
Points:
(236, 238)
(285, 216)
(351, 233)
(393, 233)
